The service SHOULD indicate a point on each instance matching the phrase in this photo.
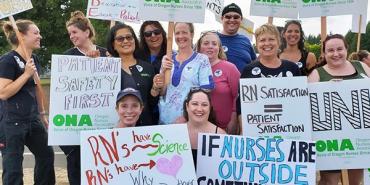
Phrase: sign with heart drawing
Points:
(139, 155)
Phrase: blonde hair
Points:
(221, 53)
(267, 29)
(23, 26)
(79, 20)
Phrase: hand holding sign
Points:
(30, 68)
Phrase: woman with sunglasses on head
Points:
(199, 116)
(293, 49)
(23, 115)
(153, 43)
(226, 79)
(268, 64)
(82, 35)
(190, 69)
(137, 74)
(337, 67)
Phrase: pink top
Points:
(226, 78)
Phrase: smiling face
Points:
(335, 52)
(32, 38)
(198, 108)
(292, 35)
(183, 35)
(210, 45)
(129, 109)
(77, 36)
(124, 42)
(267, 45)
(231, 22)
(153, 37)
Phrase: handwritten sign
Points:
(126, 10)
(274, 8)
(341, 123)
(215, 6)
(83, 94)
(367, 176)
(12, 7)
(173, 10)
(315, 8)
(142, 155)
(227, 159)
(272, 107)
(246, 28)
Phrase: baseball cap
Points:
(128, 91)
(232, 8)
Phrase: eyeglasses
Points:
(129, 38)
(150, 33)
(232, 16)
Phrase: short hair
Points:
(221, 52)
(23, 27)
(112, 34)
(79, 20)
(267, 28)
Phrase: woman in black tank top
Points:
(198, 113)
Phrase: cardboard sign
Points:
(83, 95)
(274, 8)
(126, 10)
(341, 123)
(228, 159)
(361, 10)
(142, 155)
(215, 6)
(274, 108)
(12, 7)
(173, 10)
(315, 8)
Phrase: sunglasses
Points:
(232, 16)
(150, 33)
(129, 38)
(199, 89)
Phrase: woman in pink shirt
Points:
(226, 79)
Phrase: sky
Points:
(335, 24)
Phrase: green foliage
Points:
(314, 48)
(50, 16)
(351, 38)
(312, 39)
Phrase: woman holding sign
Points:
(198, 112)
(226, 78)
(337, 67)
(21, 108)
(190, 69)
(293, 48)
(82, 35)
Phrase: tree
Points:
(312, 39)
(351, 38)
(50, 16)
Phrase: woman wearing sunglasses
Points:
(190, 69)
(226, 78)
(293, 48)
(135, 73)
(199, 115)
(153, 43)
(82, 35)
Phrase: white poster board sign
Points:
(246, 28)
(127, 10)
(143, 155)
(174, 10)
(215, 6)
(229, 159)
(314, 8)
(83, 95)
(367, 176)
(12, 7)
(270, 107)
(341, 123)
(274, 8)
(360, 10)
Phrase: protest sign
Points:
(215, 6)
(173, 10)
(269, 107)
(315, 8)
(366, 176)
(228, 159)
(274, 8)
(12, 7)
(141, 155)
(83, 94)
(360, 10)
(126, 10)
(246, 28)
(341, 123)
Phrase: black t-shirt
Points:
(257, 70)
(77, 52)
(22, 105)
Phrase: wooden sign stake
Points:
(359, 33)
(171, 27)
